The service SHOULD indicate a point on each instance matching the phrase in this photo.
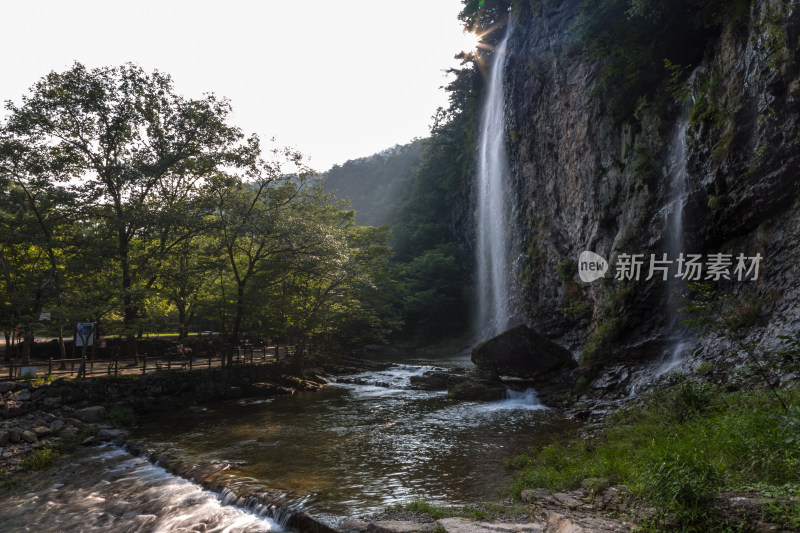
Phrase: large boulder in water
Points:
(523, 353)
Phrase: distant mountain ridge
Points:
(378, 184)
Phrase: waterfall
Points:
(679, 338)
(494, 213)
(677, 175)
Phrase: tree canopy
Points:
(130, 205)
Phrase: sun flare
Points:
(471, 41)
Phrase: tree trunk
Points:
(62, 350)
(182, 325)
(237, 321)
(129, 308)
(7, 335)
(299, 349)
(26, 347)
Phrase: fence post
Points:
(190, 361)
(144, 365)
(50, 367)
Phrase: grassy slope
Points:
(679, 450)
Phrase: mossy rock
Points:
(475, 389)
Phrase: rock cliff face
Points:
(586, 180)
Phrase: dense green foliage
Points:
(435, 266)
(421, 182)
(643, 43)
(121, 416)
(678, 451)
(131, 206)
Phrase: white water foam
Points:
(525, 400)
(112, 491)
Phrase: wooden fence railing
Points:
(146, 363)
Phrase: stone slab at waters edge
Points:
(95, 413)
(522, 353)
(553, 523)
(398, 526)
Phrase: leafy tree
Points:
(127, 204)
(434, 301)
(332, 293)
(187, 273)
(133, 148)
(480, 15)
(33, 228)
(712, 313)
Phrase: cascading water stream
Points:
(494, 214)
(677, 174)
(679, 338)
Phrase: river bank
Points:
(434, 433)
(339, 458)
(42, 419)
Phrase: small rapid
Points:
(526, 400)
(106, 489)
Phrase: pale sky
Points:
(335, 79)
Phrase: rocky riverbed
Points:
(45, 432)
(52, 416)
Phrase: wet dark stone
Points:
(521, 352)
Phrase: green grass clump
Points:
(678, 451)
(424, 507)
(785, 514)
(121, 416)
(41, 458)
(705, 367)
(38, 382)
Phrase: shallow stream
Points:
(346, 450)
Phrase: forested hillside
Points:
(422, 191)
(377, 184)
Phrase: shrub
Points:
(714, 202)
(582, 309)
(581, 386)
(121, 416)
(40, 458)
(566, 270)
(705, 367)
